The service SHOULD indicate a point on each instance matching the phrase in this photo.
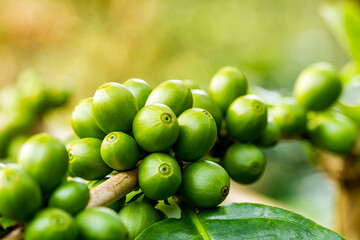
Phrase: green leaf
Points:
(343, 19)
(239, 221)
(6, 223)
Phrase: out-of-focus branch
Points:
(344, 170)
(16, 234)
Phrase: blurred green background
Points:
(81, 44)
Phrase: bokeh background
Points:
(80, 44)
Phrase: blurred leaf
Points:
(239, 221)
(343, 18)
(6, 223)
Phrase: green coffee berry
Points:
(119, 151)
(45, 158)
(270, 136)
(71, 196)
(317, 87)
(245, 163)
(140, 89)
(114, 107)
(290, 118)
(197, 135)
(52, 224)
(86, 161)
(228, 84)
(20, 194)
(201, 99)
(172, 93)
(159, 176)
(155, 128)
(146, 215)
(191, 84)
(334, 132)
(204, 184)
(246, 118)
(101, 223)
(83, 122)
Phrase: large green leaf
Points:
(343, 18)
(239, 221)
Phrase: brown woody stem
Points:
(344, 171)
(113, 189)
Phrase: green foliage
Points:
(343, 18)
(241, 221)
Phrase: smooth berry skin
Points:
(52, 224)
(85, 159)
(146, 215)
(172, 93)
(334, 132)
(270, 136)
(114, 108)
(45, 158)
(101, 223)
(191, 84)
(317, 87)
(245, 163)
(290, 118)
(201, 99)
(83, 122)
(197, 135)
(159, 176)
(205, 184)
(21, 195)
(71, 196)
(228, 84)
(246, 118)
(140, 89)
(120, 151)
(155, 128)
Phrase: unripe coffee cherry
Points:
(334, 132)
(101, 223)
(290, 117)
(155, 128)
(159, 176)
(270, 136)
(227, 85)
(246, 118)
(83, 122)
(191, 84)
(204, 184)
(245, 163)
(45, 158)
(85, 159)
(317, 87)
(20, 194)
(201, 99)
(140, 89)
(71, 196)
(172, 93)
(114, 107)
(146, 215)
(197, 135)
(50, 224)
(119, 151)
